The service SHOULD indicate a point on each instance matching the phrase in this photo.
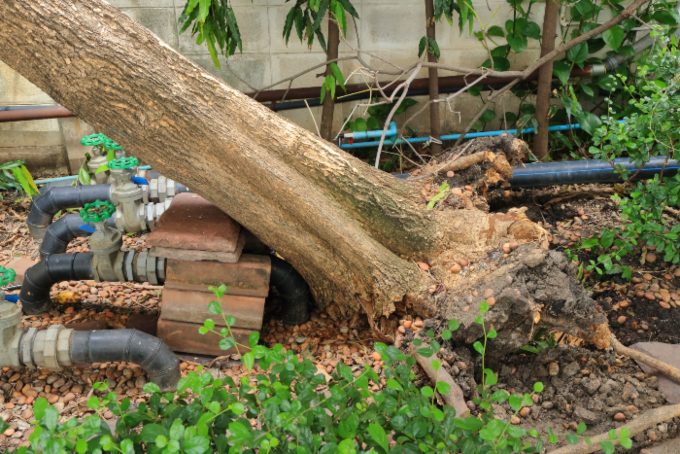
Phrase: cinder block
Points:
(254, 69)
(192, 307)
(289, 64)
(248, 277)
(142, 3)
(194, 224)
(384, 28)
(161, 21)
(16, 89)
(184, 337)
(21, 265)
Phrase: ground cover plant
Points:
(646, 127)
(287, 405)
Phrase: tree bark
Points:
(329, 102)
(550, 19)
(353, 231)
(433, 83)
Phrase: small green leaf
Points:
(562, 70)
(427, 391)
(479, 347)
(495, 30)
(378, 435)
(581, 428)
(614, 37)
(248, 360)
(215, 308)
(253, 339)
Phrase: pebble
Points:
(553, 368)
(423, 266)
(514, 419)
(455, 268)
(620, 417)
(621, 319)
(524, 412)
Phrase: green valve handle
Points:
(97, 211)
(124, 163)
(7, 276)
(111, 145)
(93, 140)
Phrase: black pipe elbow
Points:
(150, 353)
(294, 291)
(51, 201)
(62, 231)
(39, 279)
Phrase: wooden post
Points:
(433, 85)
(329, 103)
(552, 12)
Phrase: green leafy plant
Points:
(649, 211)
(286, 405)
(306, 16)
(213, 22)
(439, 196)
(15, 176)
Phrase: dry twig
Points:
(454, 398)
(643, 422)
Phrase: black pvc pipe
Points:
(293, 290)
(160, 364)
(52, 200)
(39, 279)
(62, 231)
(587, 171)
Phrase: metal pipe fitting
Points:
(53, 200)
(57, 347)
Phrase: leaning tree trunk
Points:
(354, 232)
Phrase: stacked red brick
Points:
(202, 246)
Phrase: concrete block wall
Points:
(388, 31)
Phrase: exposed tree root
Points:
(454, 398)
(643, 422)
(669, 371)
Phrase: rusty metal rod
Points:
(352, 92)
(35, 113)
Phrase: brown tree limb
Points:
(454, 398)
(643, 422)
(666, 369)
(550, 56)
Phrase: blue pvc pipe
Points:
(449, 137)
(71, 177)
(373, 134)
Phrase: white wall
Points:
(388, 30)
